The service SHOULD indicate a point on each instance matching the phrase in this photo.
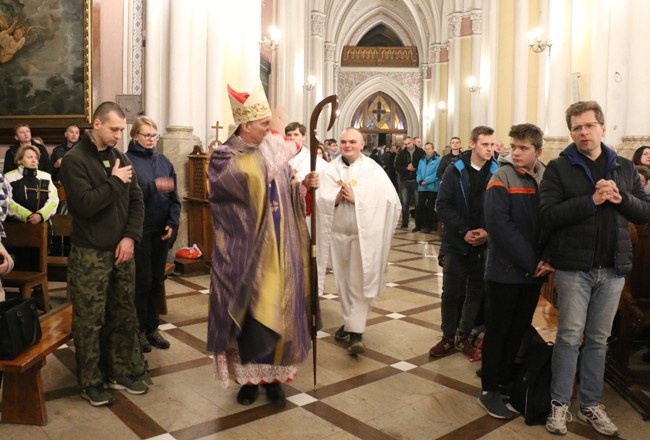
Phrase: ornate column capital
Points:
(317, 24)
(477, 21)
(330, 49)
(454, 25)
(424, 71)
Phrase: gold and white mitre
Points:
(247, 107)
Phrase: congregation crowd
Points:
(507, 222)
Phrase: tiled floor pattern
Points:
(394, 391)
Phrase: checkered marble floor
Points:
(393, 391)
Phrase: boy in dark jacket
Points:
(460, 207)
(514, 268)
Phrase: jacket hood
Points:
(139, 150)
(465, 161)
(506, 160)
(572, 153)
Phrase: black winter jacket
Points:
(160, 209)
(568, 212)
(104, 209)
(403, 159)
(10, 158)
(452, 204)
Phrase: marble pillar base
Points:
(177, 144)
(630, 145)
(553, 146)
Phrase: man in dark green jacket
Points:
(107, 209)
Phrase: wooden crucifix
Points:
(42, 186)
(216, 140)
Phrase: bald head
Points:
(351, 144)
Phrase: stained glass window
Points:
(379, 112)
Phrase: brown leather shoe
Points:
(466, 347)
(442, 348)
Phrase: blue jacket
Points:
(512, 221)
(160, 209)
(427, 172)
(452, 204)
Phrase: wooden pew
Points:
(23, 394)
(57, 265)
(634, 320)
(27, 235)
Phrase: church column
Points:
(438, 128)
(520, 64)
(316, 60)
(601, 20)
(557, 136)
(329, 85)
(543, 69)
(291, 57)
(427, 107)
(180, 65)
(637, 127)
(155, 55)
(454, 79)
(198, 71)
(476, 101)
(179, 140)
(489, 45)
(215, 84)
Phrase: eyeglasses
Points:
(149, 137)
(589, 126)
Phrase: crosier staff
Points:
(313, 147)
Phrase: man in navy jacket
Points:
(460, 207)
(588, 196)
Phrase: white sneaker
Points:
(557, 419)
(598, 418)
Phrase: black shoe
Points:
(247, 394)
(341, 334)
(405, 227)
(416, 229)
(144, 343)
(275, 395)
(356, 344)
(427, 230)
(157, 340)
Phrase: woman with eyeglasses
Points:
(157, 179)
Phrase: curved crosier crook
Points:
(313, 144)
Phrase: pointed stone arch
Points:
(378, 83)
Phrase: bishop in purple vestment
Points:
(259, 287)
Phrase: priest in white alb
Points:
(357, 212)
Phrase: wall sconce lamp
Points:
(310, 84)
(442, 106)
(271, 43)
(473, 85)
(536, 44)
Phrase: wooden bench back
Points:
(61, 225)
(638, 281)
(27, 235)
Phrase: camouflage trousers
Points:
(104, 318)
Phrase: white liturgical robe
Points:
(301, 165)
(371, 221)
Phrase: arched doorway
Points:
(381, 120)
